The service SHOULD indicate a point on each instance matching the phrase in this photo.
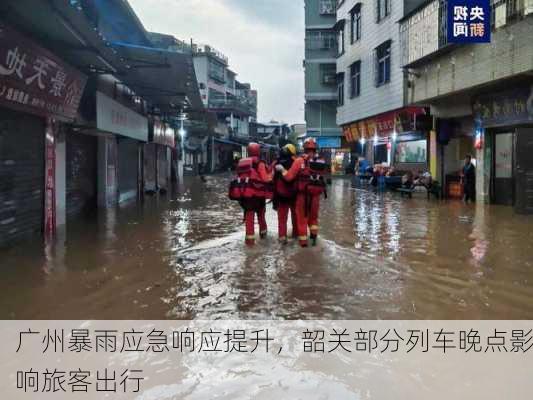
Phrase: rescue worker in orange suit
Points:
(251, 189)
(308, 172)
(285, 193)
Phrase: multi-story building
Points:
(371, 84)
(234, 104)
(481, 95)
(320, 68)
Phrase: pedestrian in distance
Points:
(468, 178)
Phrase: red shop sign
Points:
(34, 80)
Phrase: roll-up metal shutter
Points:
(162, 167)
(128, 166)
(81, 173)
(21, 176)
(149, 160)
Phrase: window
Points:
(328, 74)
(327, 7)
(321, 40)
(411, 152)
(355, 24)
(217, 71)
(383, 63)
(340, 89)
(341, 41)
(355, 79)
(383, 9)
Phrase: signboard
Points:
(479, 134)
(403, 120)
(331, 142)
(163, 133)
(50, 179)
(411, 152)
(505, 108)
(469, 21)
(422, 30)
(113, 117)
(35, 81)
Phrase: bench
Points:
(431, 189)
(406, 191)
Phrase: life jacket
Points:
(282, 189)
(248, 185)
(311, 177)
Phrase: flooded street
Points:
(183, 257)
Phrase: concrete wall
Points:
(315, 88)
(313, 18)
(325, 123)
(470, 66)
(372, 100)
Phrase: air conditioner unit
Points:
(327, 7)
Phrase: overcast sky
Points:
(264, 40)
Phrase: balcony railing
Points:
(426, 31)
(325, 43)
(240, 105)
(206, 49)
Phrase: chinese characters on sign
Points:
(400, 121)
(469, 21)
(33, 80)
(505, 108)
(50, 179)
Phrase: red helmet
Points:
(310, 144)
(254, 150)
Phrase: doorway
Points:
(503, 169)
(524, 171)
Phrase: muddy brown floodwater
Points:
(182, 257)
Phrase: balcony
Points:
(321, 43)
(206, 49)
(423, 33)
(237, 105)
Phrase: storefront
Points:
(38, 94)
(158, 163)
(81, 173)
(337, 156)
(505, 138)
(397, 138)
(131, 129)
(456, 137)
(226, 152)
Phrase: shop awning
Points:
(166, 78)
(339, 25)
(229, 142)
(66, 30)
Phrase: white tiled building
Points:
(371, 98)
(371, 84)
